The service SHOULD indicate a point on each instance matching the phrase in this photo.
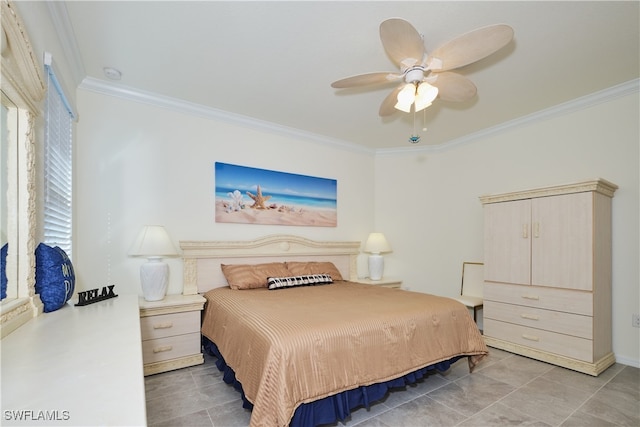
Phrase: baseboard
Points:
(626, 361)
(594, 368)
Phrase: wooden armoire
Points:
(547, 266)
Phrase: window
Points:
(58, 161)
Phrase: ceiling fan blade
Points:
(387, 107)
(402, 42)
(470, 47)
(453, 87)
(366, 79)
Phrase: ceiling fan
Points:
(426, 76)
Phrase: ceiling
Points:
(274, 61)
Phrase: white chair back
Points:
(472, 279)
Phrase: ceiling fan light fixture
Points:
(414, 75)
(406, 96)
(405, 47)
(425, 95)
(421, 106)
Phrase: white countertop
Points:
(81, 366)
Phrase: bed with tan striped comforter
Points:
(298, 345)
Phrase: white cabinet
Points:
(385, 282)
(170, 331)
(82, 365)
(548, 274)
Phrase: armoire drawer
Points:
(575, 325)
(570, 301)
(160, 349)
(166, 325)
(552, 342)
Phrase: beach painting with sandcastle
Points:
(249, 195)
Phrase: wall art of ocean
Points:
(297, 201)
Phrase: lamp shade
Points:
(376, 244)
(425, 95)
(406, 97)
(153, 241)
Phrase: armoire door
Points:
(562, 241)
(507, 242)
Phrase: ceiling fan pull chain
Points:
(425, 76)
(414, 138)
(424, 120)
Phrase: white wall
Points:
(427, 203)
(138, 164)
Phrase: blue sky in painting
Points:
(245, 178)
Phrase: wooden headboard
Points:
(202, 259)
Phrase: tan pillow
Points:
(298, 268)
(251, 276)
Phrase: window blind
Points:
(58, 164)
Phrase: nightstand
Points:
(170, 332)
(387, 282)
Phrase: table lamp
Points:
(153, 243)
(376, 244)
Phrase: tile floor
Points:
(504, 390)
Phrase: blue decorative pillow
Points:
(3, 271)
(55, 278)
(294, 281)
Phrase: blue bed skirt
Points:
(332, 408)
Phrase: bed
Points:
(315, 347)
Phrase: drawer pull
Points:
(163, 325)
(530, 316)
(530, 337)
(532, 297)
(525, 231)
(163, 348)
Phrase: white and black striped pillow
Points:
(293, 281)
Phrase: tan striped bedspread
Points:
(297, 345)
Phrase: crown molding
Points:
(136, 95)
(121, 91)
(64, 29)
(605, 95)
(60, 18)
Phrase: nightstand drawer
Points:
(160, 349)
(167, 325)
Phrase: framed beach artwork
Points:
(249, 195)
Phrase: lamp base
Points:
(376, 266)
(154, 277)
